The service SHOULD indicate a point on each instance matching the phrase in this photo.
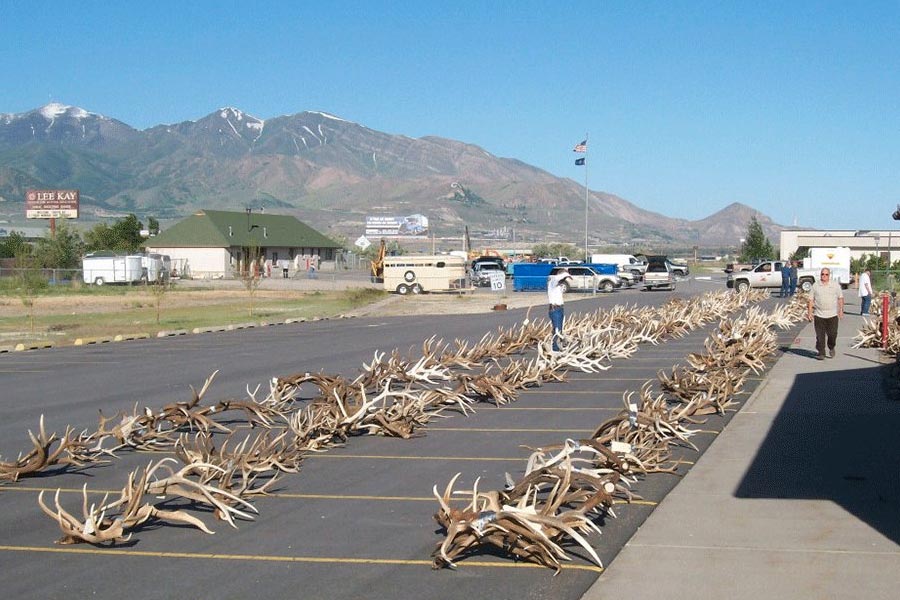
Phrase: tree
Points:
(250, 271)
(159, 291)
(31, 281)
(122, 236)
(392, 248)
(800, 253)
(152, 225)
(756, 244)
(557, 249)
(14, 245)
(62, 251)
(874, 262)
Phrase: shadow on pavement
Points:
(837, 437)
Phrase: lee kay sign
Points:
(51, 204)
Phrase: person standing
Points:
(825, 308)
(785, 279)
(556, 287)
(865, 291)
(793, 277)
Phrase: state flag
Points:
(582, 147)
(579, 161)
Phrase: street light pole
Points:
(587, 258)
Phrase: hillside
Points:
(325, 170)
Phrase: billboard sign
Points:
(411, 226)
(51, 204)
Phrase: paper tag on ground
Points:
(620, 447)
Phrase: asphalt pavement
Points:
(798, 498)
(356, 521)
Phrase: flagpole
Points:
(587, 258)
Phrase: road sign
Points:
(498, 281)
(363, 242)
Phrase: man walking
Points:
(825, 308)
(865, 291)
(785, 279)
(556, 286)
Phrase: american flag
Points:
(582, 147)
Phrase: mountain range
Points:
(327, 171)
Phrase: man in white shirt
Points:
(865, 291)
(556, 287)
(825, 308)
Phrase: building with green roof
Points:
(218, 243)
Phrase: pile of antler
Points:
(566, 487)
(870, 334)
(393, 396)
(109, 522)
(70, 450)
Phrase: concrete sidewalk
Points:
(799, 497)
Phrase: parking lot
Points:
(356, 520)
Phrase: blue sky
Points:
(792, 108)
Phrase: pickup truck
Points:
(659, 273)
(679, 269)
(768, 275)
(481, 272)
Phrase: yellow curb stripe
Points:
(285, 559)
(553, 408)
(288, 495)
(573, 380)
(552, 391)
(399, 457)
(508, 430)
(295, 496)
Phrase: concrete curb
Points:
(213, 329)
(131, 336)
(122, 337)
(34, 346)
(92, 340)
(171, 332)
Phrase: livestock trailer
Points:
(158, 266)
(100, 269)
(418, 274)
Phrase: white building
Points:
(217, 244)
(882, 242)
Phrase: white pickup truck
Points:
(768, 275)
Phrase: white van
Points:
(625, 262)
(429, 273)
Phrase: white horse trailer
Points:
(102, 269)
(158, 266)
(418, 274)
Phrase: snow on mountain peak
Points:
(229, 112)
(55, 109)
(328, 116)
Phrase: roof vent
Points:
(265, 232)
(230, 231)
